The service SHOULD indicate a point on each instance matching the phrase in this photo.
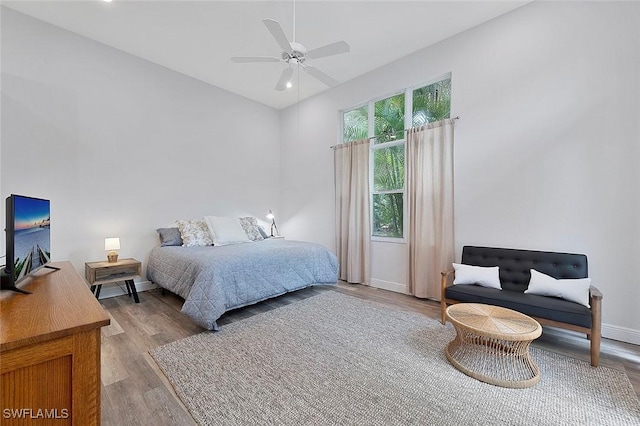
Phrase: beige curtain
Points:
(353, 240)
(430, 201)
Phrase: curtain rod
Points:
(457, 117)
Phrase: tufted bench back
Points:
(515, 264)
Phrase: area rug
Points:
(334, 359)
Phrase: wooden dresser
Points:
(50, 351)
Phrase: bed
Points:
(213, 280)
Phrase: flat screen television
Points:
(28, 239)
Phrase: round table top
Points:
(494, 321)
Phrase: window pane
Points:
(387, 215)
(431, 103)
(388, 168)
(389, 119)
(355, 124)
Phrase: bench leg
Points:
(595, 350)
(443, 309)
(596, 330)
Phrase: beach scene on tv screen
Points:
(32, 240)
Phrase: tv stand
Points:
(7, 282)
(14, 288)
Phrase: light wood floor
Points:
(135, 392)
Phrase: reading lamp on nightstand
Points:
(111, 245)
(271, 216)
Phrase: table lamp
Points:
(111, 245)
(271, 216)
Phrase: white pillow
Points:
(226, 230)
(483, 276)
(575, 290)
(194, 233)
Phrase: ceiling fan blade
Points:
(246, 59)
(326, 79)
(329, 50)
(276, 31)
(285, 77)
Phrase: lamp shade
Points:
(270, 215)
(112, 243)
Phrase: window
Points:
(388, 167)
(389, 119)
(355, 124)
(384, 120)
(431, 103)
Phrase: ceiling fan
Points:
(296, 54)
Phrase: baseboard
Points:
(622, 334)
(389, 285)
(114, 290)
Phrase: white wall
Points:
(122, 146)
(547, 149)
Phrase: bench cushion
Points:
(550, 308)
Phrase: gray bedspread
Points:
(213, 280)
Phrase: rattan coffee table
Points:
(492, 344)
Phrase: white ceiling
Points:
(198, 38)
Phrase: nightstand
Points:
(99, 273)
(277, 237)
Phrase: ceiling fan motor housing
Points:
(297, 55)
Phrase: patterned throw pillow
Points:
(194, 233)
(250, 226)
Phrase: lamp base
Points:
(112, 257)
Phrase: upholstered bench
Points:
(514, 278)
